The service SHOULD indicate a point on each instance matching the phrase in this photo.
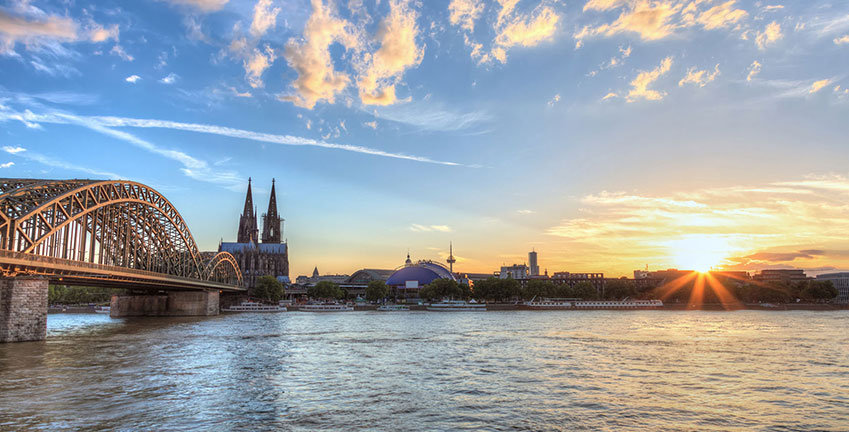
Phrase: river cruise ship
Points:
(252, 306)
(570, 304)
(550, 303)
(624, 304)
(393, 308)
(325, 307)
(457, 306)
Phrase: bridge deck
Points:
(71, 272)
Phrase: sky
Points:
(607, 135)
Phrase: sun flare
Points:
(699, 253)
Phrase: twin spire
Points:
(271, 222)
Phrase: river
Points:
(517, 370)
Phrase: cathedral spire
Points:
(271, 220)
(247, 222)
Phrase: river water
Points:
(519, 370)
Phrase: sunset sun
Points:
(699, 253)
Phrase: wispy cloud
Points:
(432, 116)
(193, 166)
(430, 228)
(46, 160)
(132, 79)
(7, 164)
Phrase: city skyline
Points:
(711, 133)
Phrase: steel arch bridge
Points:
(112, 233)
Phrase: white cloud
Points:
(317, 79)
(265, 17)
(842, 40)
(640, 84)
(754, 70)
(658, 19)
(372, 124)
(699, 77)
(132, 79)
(98, 33)
(464, 13)
(554, 100)
(527, 31)
(7, 164)
(37, 31)
(13, 150)
(398, 52)
(169, 79)
(525, 212)
(818, 85)
(771, 33)
(256, 64)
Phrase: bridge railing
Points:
(52, 262)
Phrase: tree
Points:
(538, 288)
(269, 288)
(585, 290)
(818, 291)
(376, 290)
(325, 290)
(441, 288)
(618, 289)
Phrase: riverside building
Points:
(841, 282)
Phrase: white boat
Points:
(568, 304)
(325, 307)
(393, 308)
(251, 306)
(549, 303)
(457, 306)
(624, 304)
(101, 309)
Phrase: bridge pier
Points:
(174, 303)
(23, 309)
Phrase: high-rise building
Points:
(532, 260)
(271, 257)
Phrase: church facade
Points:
(255, 258)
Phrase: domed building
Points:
(409, 279)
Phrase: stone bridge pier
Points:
(23, 309)
(173, 303)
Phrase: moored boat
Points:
(457, 306)
(99, 309)
(549, 303)
(325, 307)
(393, 308)
(624, 304)
(252, 306)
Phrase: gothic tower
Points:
(271, 220)
(248, 231)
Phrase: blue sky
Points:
(607, 134)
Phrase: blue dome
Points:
(422, 272)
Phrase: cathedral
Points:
(271, 257)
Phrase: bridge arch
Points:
(222, 267)
(114, 222)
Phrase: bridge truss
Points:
(108, 233)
